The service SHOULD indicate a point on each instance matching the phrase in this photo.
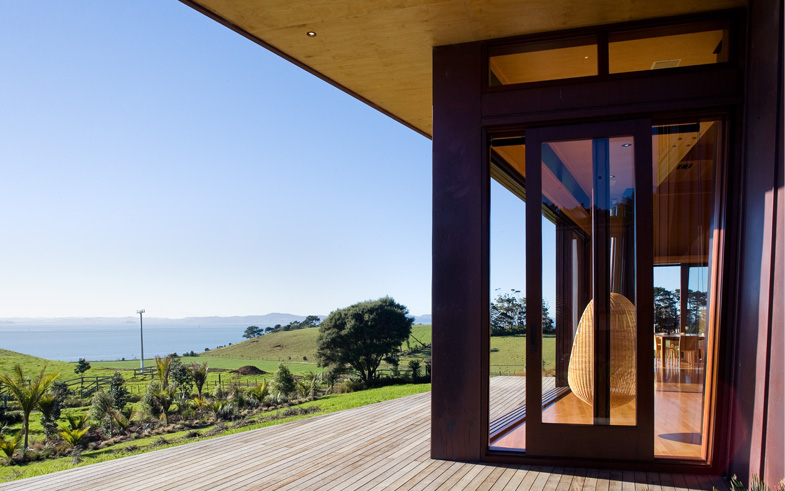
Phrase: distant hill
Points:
(267, 320)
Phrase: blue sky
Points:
(152, 158)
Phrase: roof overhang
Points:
(379, 51)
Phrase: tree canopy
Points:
(362, 335)
(508, 315)
(253, 332)
(666, 310)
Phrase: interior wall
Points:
(757, 435)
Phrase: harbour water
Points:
(113, 342)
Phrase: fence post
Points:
(81, 387)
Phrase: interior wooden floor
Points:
(678, 411)
(380, 446)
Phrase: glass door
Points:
(588, 245)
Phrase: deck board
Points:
(381, 446)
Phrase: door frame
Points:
(592, 441)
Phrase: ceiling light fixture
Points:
(311, 34)
(625, 145)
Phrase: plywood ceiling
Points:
(381, 49)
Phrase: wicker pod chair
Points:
(580, 375)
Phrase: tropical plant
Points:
(163, 367)
(362, 335)
(76, 422)
(199, 376)
(222, 409)
(158, 401)
(72, 436)
(103, 411)
(201, 403)
(259, 391)
(47, 403)
(27, 393)
(8, 445)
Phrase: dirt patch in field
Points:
(249, 370)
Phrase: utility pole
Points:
(141, 336)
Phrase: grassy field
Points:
(326, 404)
(33, 365)
(508, 354)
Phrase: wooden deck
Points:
(381, 446)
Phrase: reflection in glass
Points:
(507, 387)
(685, 162)
(588, 202)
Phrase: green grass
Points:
(275, 346)
(508, 354)
(31, 365)
(327, 404)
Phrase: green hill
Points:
(32, 364)
(295, 345)
(275, 346)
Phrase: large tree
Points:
(666, 310)
(252, 332)
(362, 335)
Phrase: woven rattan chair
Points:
(580, 374)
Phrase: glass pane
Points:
(622, 281)
(668, 47)
(588, 202)
(540, 61)
(508, 298)
(685, 162)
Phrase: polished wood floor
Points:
(678, 410)
(381, 446)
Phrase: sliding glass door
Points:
(593, 184)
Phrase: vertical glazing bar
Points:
(601, 252)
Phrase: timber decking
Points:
(381, 446)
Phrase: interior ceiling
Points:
(380, 50)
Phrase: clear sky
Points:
(151, 158)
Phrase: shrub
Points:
(283, 381)
(414, 366)
(81, 366)
(118, 391)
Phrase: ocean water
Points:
(113, 342)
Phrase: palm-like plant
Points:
(48, 404)
(76, 422)
(199, 374)
(27, 394)
(103, 410)
(260, 390)
(72, 436)
(8, 445)
(200, 402)
(163, 367)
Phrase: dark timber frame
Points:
(746, 93)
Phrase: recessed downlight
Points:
(311, 34)
(625, 145)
